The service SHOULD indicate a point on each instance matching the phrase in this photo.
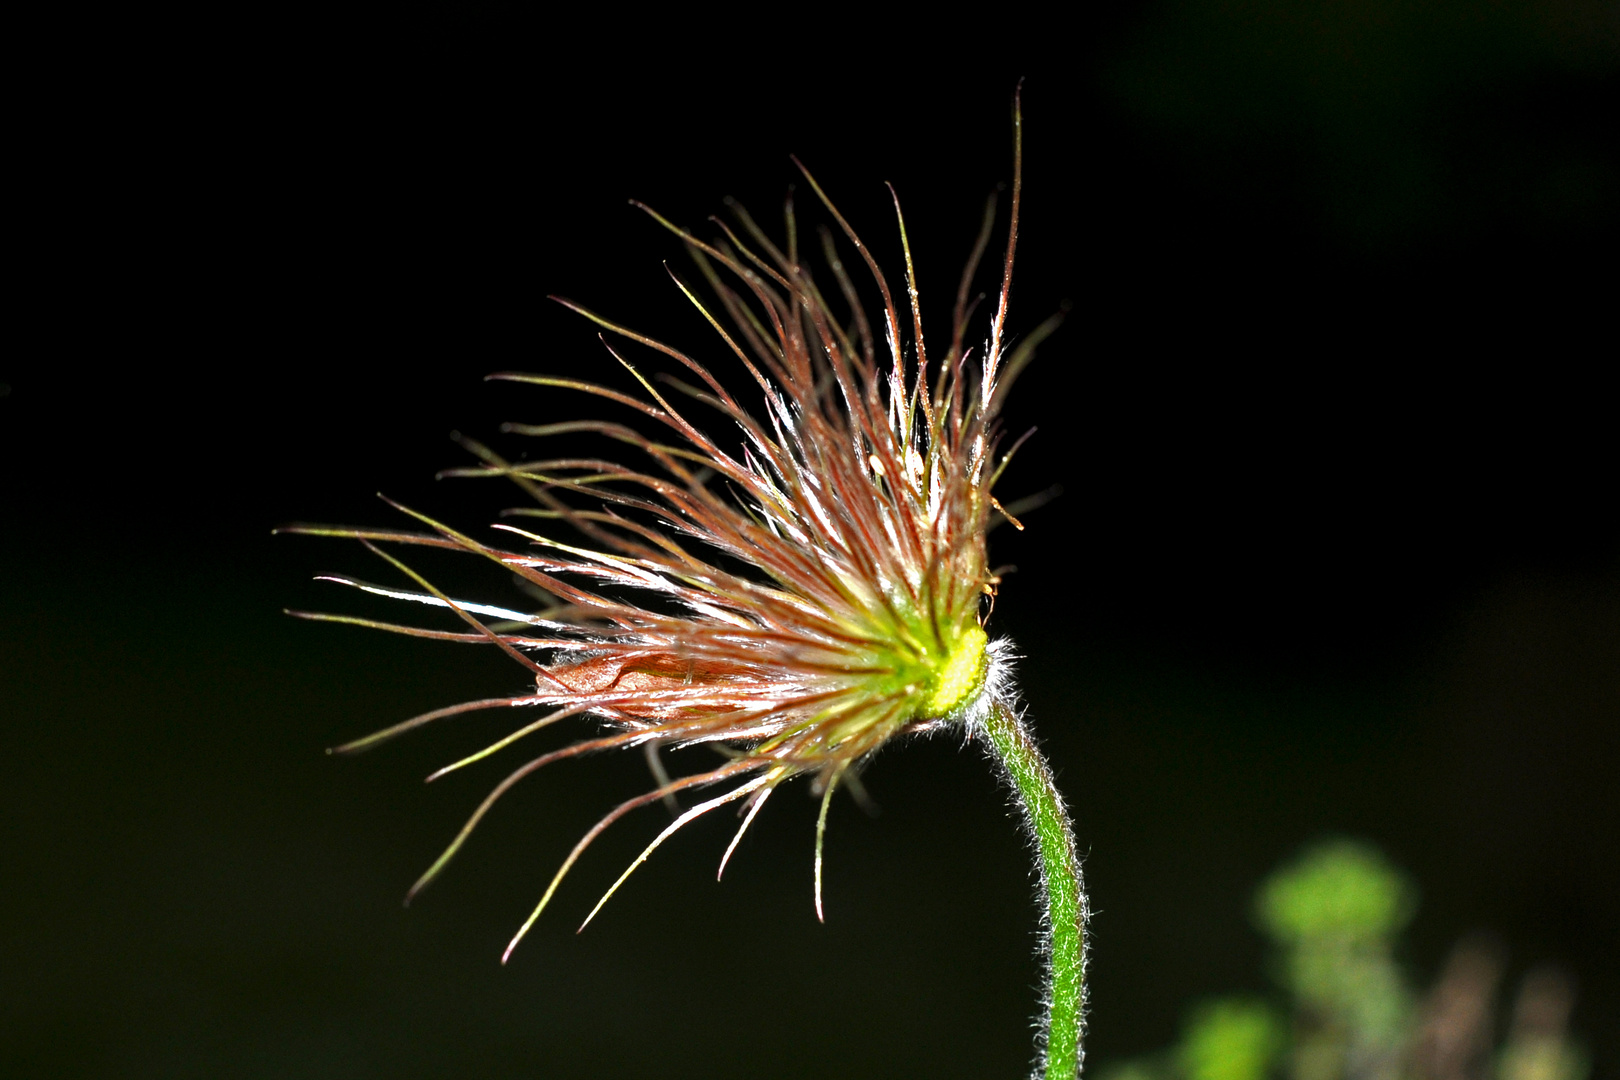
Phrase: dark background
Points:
(1336, 551)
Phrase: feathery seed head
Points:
(819, 570)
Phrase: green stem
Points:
(1063, 894)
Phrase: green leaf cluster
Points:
(1345, 1009)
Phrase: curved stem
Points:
(1062, 893)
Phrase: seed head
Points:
(797, 592)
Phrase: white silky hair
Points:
(1002, 657)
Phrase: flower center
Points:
(959, 679)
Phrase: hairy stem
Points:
(1062, 893)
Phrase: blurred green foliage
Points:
(1333, 917)
(1343, 893)
(1230, 1039)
